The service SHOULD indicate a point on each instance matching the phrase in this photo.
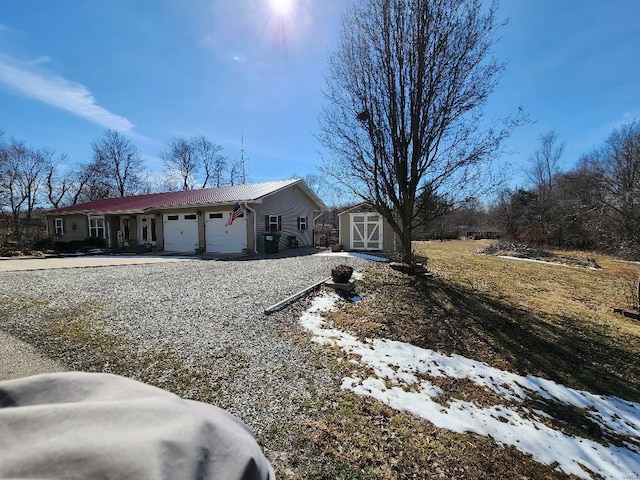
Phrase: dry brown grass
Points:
(552, 321)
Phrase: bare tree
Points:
(237, 172)
(179, 160)
(328, 190)
(59, 185)
(116, 168)
(616, 168)
(544, 162)
(405, 92)
(22, 175)
(207, 156)
(196, 162)
(543, 170)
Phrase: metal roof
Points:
(249, 192)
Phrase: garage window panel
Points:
(192, 216)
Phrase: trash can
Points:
(271, 242)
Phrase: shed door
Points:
(180, 232)
(366, 231)
(222, 238)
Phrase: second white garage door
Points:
(222, 238)
(181, 232)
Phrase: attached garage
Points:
(181, 232)
(223, 238)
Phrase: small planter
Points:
(336, 247)
(341, 273)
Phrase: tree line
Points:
(595, 205)
(33, 178)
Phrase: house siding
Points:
(81, 231)
(290, 204)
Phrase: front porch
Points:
(134, 233)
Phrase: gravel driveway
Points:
(210, 313)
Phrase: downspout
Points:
(255, 227)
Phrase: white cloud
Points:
(62, 93)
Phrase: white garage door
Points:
(181, 232)
(222, 238)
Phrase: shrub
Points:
(75, 245)
(60, 246)
(43, 244)
(95, 242)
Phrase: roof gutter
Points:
(255, 227)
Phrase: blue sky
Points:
(155, 69)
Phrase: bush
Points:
(75, 245)
(60, 246)
(95, 242)
(43, 244)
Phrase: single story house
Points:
(230, 219)
(362, 228)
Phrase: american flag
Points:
(238, 211)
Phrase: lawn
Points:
(551, 324)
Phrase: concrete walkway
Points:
(31, 263)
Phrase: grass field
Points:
(545, 320)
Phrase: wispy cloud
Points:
(40, 60)
(62, 93)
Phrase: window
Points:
(59, 226)
(272, 223)
(97, 228)
(191, 217)
(215, 215)
(302, 223)
(172, 217)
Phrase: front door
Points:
(147, 229)
(366, 231)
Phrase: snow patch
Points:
(366, 256)
(398, 366)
